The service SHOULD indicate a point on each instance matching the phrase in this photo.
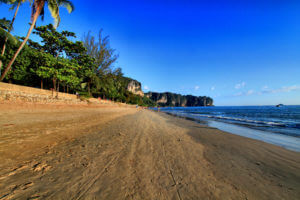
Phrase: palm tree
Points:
(15, 4)
(38, 10)
(68, 5)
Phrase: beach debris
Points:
(8, 124)
(258, 163)
(34, 197)
(84, 162)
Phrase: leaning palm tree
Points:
(15, 5)
(38, 10)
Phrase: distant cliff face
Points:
(171, 99)
(135, 87)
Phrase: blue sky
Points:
(237, 52)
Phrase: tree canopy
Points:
(57, 61)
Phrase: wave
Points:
(245, 121)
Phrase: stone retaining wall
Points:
(17, 93)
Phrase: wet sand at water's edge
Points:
(98, 152)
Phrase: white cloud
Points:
(240, 85)
(265, 87)
(146, 87)
(250, 92)
(212, 88)
(238, 94)
(282, 89)
(197, 87)
(267, 90)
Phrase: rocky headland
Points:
(178, 100)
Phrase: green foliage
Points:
(101, 51)
(66, 73)
(45, 63)
(54, 42)
(5, 24)
(3, 34)
(59, 63)
(37, 9)
(53, 6)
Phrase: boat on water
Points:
(279, 105)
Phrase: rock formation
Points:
(168, 98)
(135, 87)
(172, 99)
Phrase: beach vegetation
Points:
(38, 10)
(59, 61)
(15, 5)
(62, 63)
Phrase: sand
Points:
(98, 152)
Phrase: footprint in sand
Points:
(41, 167)
(14, 171)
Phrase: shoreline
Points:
(113, 152)
(286, 141)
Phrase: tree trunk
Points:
(41, 83)
(58, 86)
(64, 89)
(35, 17)
(89, 88)
(54, 84)
(67, 89)
(10, 28)
(1, 63)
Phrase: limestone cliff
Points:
(167, 98)
(135, 87)
(172, 99)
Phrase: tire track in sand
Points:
(90, 183)
(170, 172)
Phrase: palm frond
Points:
(67, 4)
(14, 5)
(5, 1)
(5, 24)
(53, 8)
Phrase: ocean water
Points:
(275, 125)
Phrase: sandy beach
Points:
(114, 152)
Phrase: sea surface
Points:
(275, 125)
